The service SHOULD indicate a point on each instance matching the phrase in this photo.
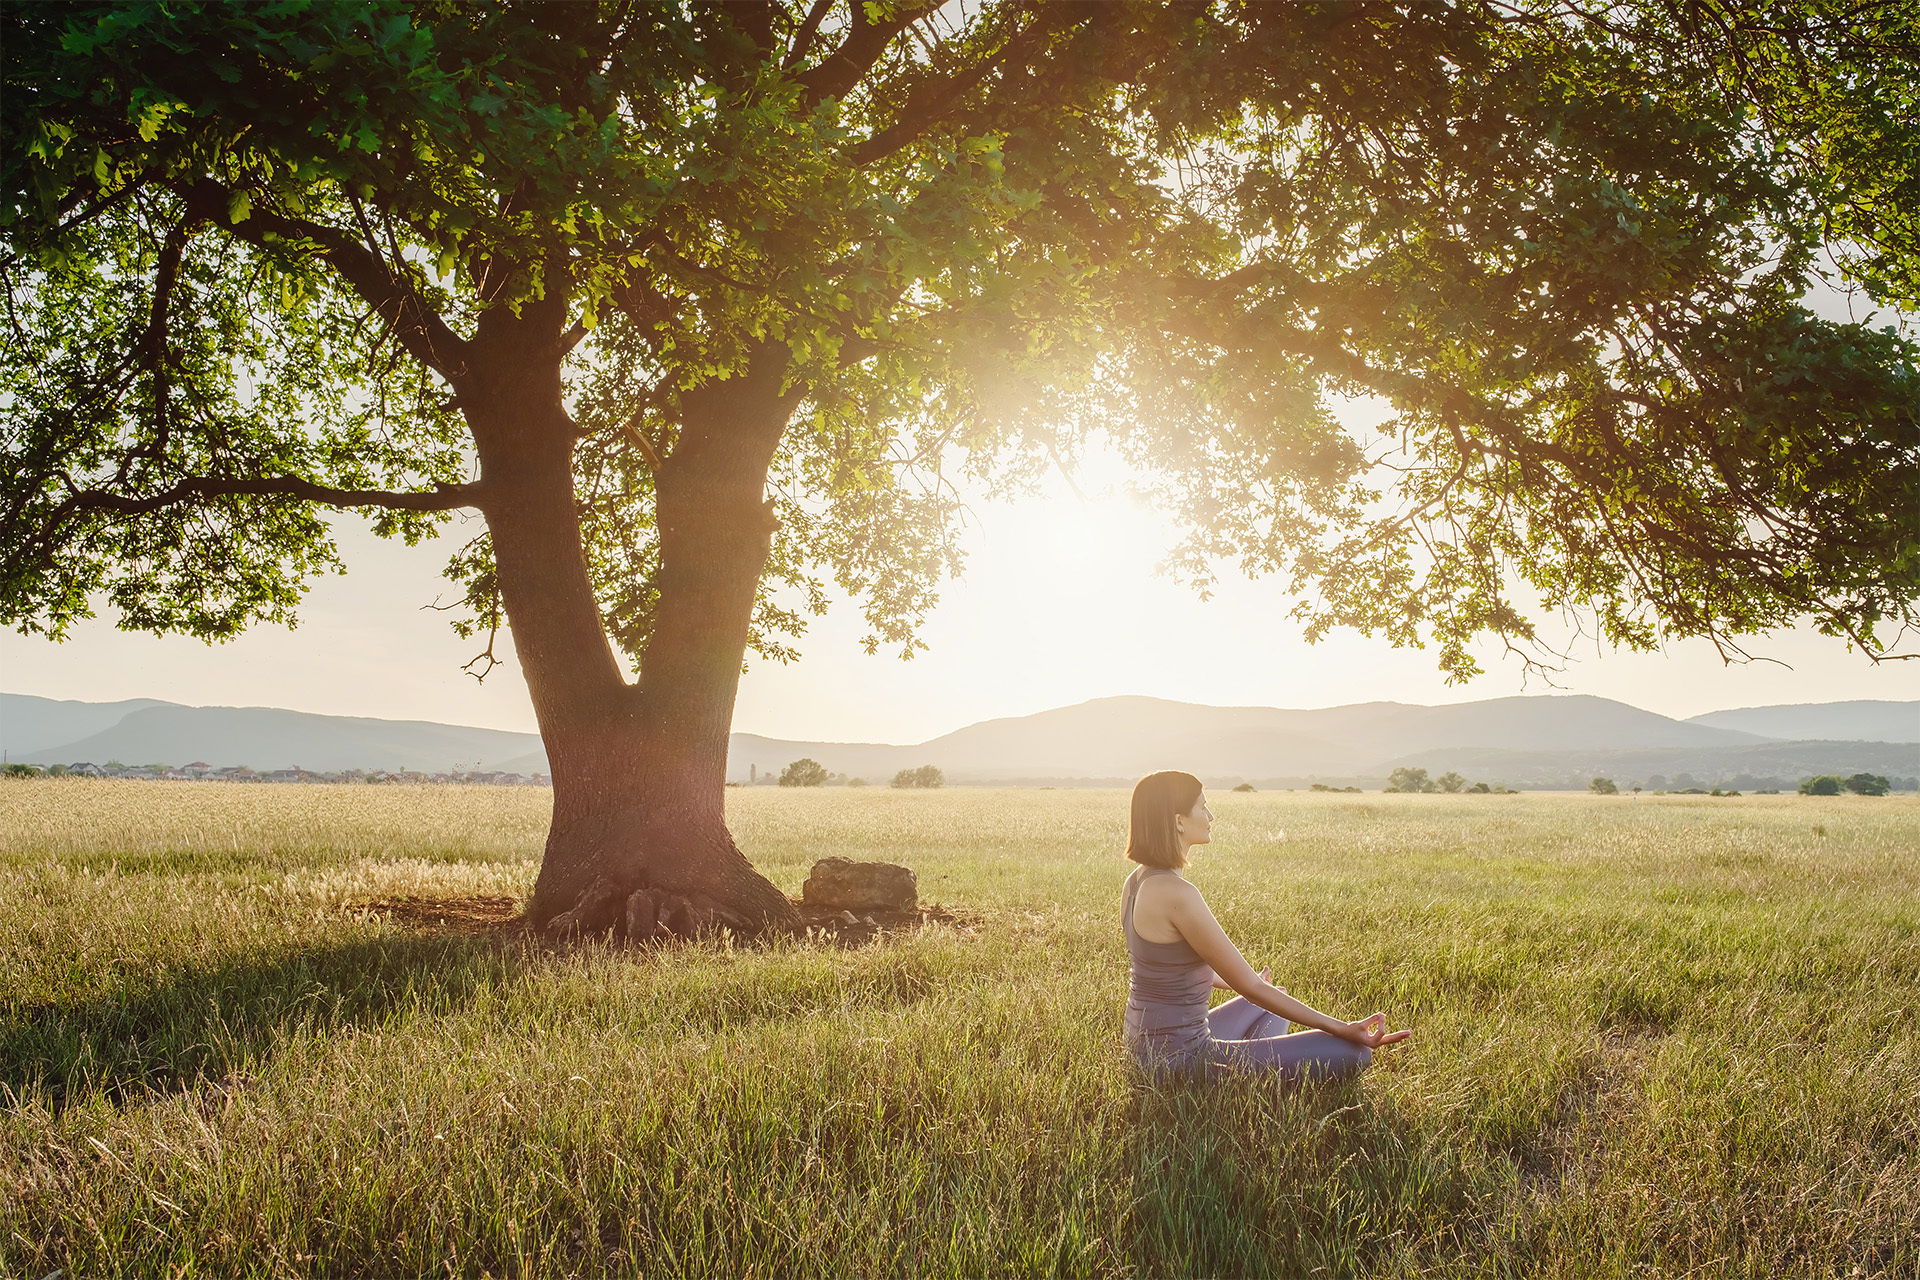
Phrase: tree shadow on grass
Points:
(204, 1025)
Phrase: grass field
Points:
(1674, 1036)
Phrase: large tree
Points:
(700, 304)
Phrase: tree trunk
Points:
(639, 842)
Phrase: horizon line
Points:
(1143, 697)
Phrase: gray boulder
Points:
(841, 884)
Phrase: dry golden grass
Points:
(1672, 1037)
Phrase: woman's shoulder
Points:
(1164, 888)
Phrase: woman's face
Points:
(1195, 827)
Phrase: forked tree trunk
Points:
(639, 841)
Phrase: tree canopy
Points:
(249, 252)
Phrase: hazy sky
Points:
(1059, 604)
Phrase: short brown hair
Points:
(1158, 799)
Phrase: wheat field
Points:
(1672, 1036)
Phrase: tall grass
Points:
(1666, 1037)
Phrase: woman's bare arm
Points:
(1189, 913)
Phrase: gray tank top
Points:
(1167, 989)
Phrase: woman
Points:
(1180, 954)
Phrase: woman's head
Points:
(1167, 817)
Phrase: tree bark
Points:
(639, 841)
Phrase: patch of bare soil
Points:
(483, 915)
(487, 915)
(846, 929)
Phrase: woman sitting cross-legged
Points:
(1180, 954)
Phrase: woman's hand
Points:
(1372, 1032)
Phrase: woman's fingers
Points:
(1374, 1033)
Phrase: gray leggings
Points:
(1250, 1038)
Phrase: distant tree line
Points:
(114, 769)
(1449, 783)
(1411, 781)
(808, 772)
(1860, 784)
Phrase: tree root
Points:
(646, 915)
(606, 911)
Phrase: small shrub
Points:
(1450, 782)
(1409, 780)
(1246, 786)
(1867, 784)
(22, 771)
(1826, 785)
(1606, 787)
(927, 776)
(804, 772)
(856, 782)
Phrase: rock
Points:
(841, 883)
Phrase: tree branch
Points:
(86, 215)
(631, 429)
(840, 70)
(803, 38)
(420, 329)
(930, 102)
(443, 497)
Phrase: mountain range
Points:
(1541, 740)
(1545, 740)
(143, 731)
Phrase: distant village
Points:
(200, 771)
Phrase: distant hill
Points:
(1522, 741)
(1860, 721)
(29, 724)
(1126, 737)
(267, 738)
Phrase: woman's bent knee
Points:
(1335, 1061)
